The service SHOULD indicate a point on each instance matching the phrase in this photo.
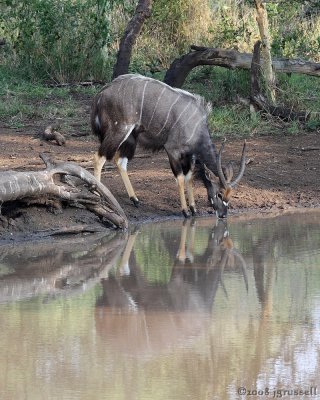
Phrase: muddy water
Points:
(174, 310)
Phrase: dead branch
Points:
(50, 134)
(75, 84)
(80, 189)
(310, 148)
(198, 55)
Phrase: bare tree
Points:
(266, 64)
(142, 12)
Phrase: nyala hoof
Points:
(186, 213)
(135, 201)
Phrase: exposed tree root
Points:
(67, 182)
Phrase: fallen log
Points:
(180, 68)
(62, 181)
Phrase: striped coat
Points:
(159, 115)
(135, 109)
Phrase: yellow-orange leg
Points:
(121, 163)
(180, 180)
(98, 162)
(189, 184)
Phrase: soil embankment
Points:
(283, 174)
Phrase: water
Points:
(175, 310)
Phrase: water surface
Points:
(175, 310)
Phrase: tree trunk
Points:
(263, 24)
(258, 99)
(180, 68)
(129, 38)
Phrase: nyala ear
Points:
(227, 194)
(209, 174)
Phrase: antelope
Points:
(135, 109)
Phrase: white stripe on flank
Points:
(131, 110)
(127, 135)
(190, 116)
(121, 84)
(142, 101)
(195, 128)
(168, 114)
(125, 95)
(176, 90)
(175, 122)
(155, 107)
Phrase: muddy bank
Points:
(283, 174)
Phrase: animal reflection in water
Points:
(143, 318)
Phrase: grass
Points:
(23, 102)
(218, 85)
(300, 90)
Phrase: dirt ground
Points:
(283, 173)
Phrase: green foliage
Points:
(294, 26)
(152, 257)
(75, 40)
(295, 29)
(60, 40)
(299, 91)
(173, 26)
(219, 85)
(234, 26)
(57, 39)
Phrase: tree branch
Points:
(85, 191)
(181, 67)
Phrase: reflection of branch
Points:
(59, 272)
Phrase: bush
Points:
(57, 39)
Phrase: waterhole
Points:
(193, 309)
